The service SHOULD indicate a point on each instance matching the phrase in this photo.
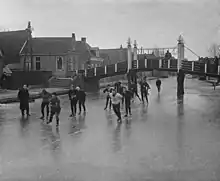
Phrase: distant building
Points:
(61, 55)
(112, 56)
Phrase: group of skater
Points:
(115, 96)
(51, 103)
(119, 94)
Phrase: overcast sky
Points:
(109, 23)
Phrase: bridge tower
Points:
(180, 73)
(180, 50)
(131, 73)
(135, 58)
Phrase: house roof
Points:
(114, 55)
(56, 45)
(11, 43)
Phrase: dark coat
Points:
(73, 95)
(144, 86)
(158, 83)
(55, 105)
(81, 96)
(128, 95)
(23, 96)
(133, 87)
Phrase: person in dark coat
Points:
(117, 84)
(121, 91)
(107, 91)
(23, 96)
(144, 89)
(73, 100)
(81, 97)
(127, 97)
(55, 109)
(45, 103)
(158, 84)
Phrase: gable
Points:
(11, 43)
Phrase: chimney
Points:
(83, 39)
(73, 41)
(73, 36)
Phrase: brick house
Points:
(114, 55)
(61, 55)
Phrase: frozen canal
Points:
(169, 140)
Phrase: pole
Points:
(129, 62)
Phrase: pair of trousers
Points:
(43, 105)
(108, 102)
(56, 113)
(158, 88)
(82, 104)
(116, 108)
(25, 109)
(128, 106)
(144, 94)
(73, 104)
(123, 99)
(135, 93)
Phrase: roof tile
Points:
(11, 43)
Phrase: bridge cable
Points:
(192, 51)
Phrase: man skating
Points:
(116, 99)
(127, 96)
(158, 84)
(73, 100)
(144, 86)
(45, 103)
(54, 109)
(23, 96)
(81, 97)
(107, 91)
(134, 91)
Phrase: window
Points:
(38, 65)
(59, 63)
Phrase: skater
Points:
(144, 90)
(158, 84)
(121, 91)
(117, 84)
(45, 103)
(116, 99)
(81, 98)
(73, 100)
(134, 91)
(107, 91)
(54, 109)
(128, 97)
(23, 96)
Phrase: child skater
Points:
(54, 108)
